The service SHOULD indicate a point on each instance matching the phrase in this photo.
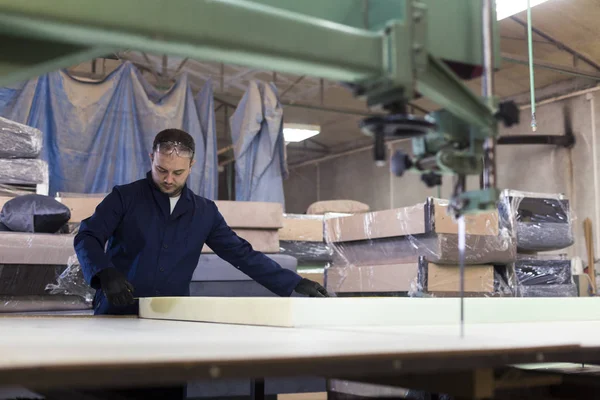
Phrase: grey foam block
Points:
(548, 291)
(23, 171)
(229, 289)
(212, 268)
(241, 387)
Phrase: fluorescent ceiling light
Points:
(299, 132)
(506, 8)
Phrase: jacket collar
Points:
(184, 204)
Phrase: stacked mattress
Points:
(20, 165)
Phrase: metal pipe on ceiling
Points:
(345, 153)
(517, 59)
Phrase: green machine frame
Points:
(386, 51)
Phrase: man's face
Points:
(170, 171)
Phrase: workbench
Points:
(71, 352)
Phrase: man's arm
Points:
(239, 253)
(93, 234)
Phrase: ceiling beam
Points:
(559, 44)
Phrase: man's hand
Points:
(116, 288)
(311, 289)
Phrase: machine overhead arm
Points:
(388, 66)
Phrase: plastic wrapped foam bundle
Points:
(426, 229)
(542, 276)
(18, 140)
(302, 237)
(23, 171)
(383, 251)
(419, 278)
(541, 221)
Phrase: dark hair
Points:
(174, 135)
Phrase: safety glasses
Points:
(167, 148)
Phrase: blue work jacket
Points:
(159, 251)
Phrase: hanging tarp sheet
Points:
(97, 135)
(259, 146)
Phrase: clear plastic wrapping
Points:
(414, 250)
(302, 237)
(44, 304)
(35, 248)
(23, 172)
(72, 282)
(541, 221)
(18, 140)
(420, 278)
(542, 276)
(27, 280)
(426, 229)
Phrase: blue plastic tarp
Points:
(97, 135)
(259, 146)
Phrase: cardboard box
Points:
(428, 217)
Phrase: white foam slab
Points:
(375, 311)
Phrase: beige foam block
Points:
(316, 276)
(366, 311)
(263, 240)
(251, 214)
(337, 206)
(3, 199)
(406, 221)
(446, 278)
(35, 248)
(376, 225)
(81, 207)
(304, 229)
(372, 278)
(237, 214)
(483, 223)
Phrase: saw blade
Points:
(461, 260)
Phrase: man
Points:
(156, 228)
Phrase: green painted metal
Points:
(454, 26)
(39, 56)
(346, 12)
(443, 87)
(230, 31)
(398, 55)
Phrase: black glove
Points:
(116, 288)
(311, 289)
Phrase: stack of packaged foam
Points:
(302, 235)
(21, 170)
(542, 222)
(414, 250)
(259, 223)
(30, 264)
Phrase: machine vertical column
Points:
(488, 178)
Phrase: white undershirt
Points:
(173, 201)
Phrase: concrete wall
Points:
(530, 168)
